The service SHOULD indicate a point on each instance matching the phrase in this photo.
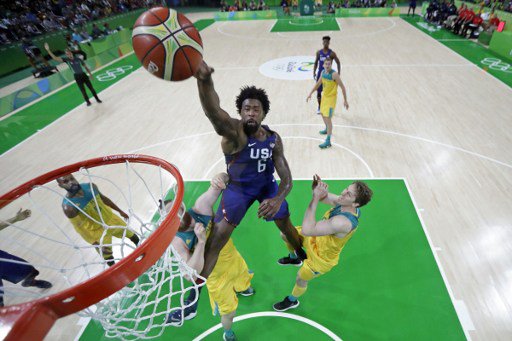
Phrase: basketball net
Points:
(48, 241)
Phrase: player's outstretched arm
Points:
(20, 215)
(337, 60)
(223, 124)
(269, 207)
(204, 204)
(54, 57)
(110, 203)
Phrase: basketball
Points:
(167, 44)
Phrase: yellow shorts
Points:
(327, 107)
(230, 275)
(311, 266)
(94, 236)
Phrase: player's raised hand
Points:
(269, 207)
(204, 71)
(321, 190)
(22, 214)
(200, 232)
(316, 179)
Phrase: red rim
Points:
(33, 320)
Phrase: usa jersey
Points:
(321, 59)
(254, 162)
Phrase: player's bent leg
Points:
(292, 258)
(219, 236)
(286, 227)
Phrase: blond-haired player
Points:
(324, 240)
(329, 80)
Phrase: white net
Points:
(66, 251)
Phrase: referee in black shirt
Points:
(77, 65)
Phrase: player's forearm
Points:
(204, 204)
(210, 102)
(54, 57)
(111, 204)
(196, 262)
(309, 221)
(344, 92)
(330, 199)
(285, 186)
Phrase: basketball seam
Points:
(161, 22)
(180, 48)
(154, 46)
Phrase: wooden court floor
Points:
(417, 111)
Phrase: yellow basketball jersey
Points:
(329, 85)
(324, 251)
(90, 223)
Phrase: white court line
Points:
(413, 27)
(465, 40)
(59, 89)
(341, 127)
(273, 314)
(63, 116)
(460, 307)
(405, 135)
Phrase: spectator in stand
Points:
(244, 5)
(468, 18)
(252, 6)
(27, 18)
(412, 6)
(460, 18)
(330, 7)
(76, 36)
(491, 24)
(285, 7)
(96, 32)
(106, 29)
(295, 5)
(473, 25)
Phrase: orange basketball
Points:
(167, 44)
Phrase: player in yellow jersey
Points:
(324, 240)
(91, 214)
(329, 80)
(229, 277)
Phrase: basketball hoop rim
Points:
(45, 311)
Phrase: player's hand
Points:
(321, 191)
(269, 207)
(316, 179)
(90, 76)
(345, 104)
(200, 232)
(308, 98)
(46, 47)
(219, 181)
(204, 71)
(22, 214)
